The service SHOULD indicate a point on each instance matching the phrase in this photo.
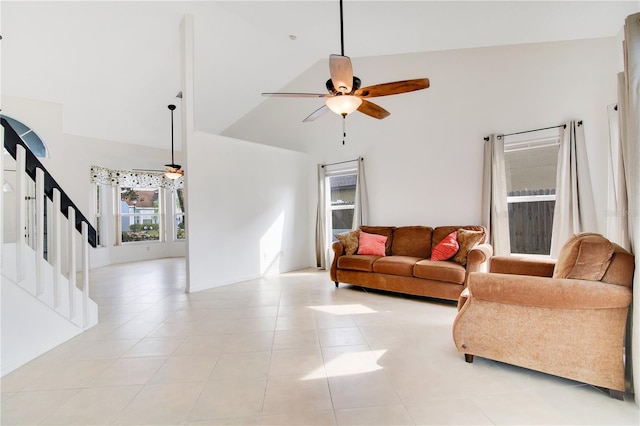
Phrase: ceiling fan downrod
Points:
(341, 32)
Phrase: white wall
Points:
(424, 162)
(246, 210)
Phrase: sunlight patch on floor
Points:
(344, 309)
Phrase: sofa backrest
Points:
(412, 241)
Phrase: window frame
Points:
(331, 208)
(120, 216)
(544, 140)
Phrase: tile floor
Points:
(283, 350)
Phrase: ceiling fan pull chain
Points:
(344, 128)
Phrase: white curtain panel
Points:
(617, 226)
(495, 211)
(321, 220)
(361, 209)
(575, 209)
(629, 108)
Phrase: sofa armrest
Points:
(546, 292)
(520, 265)
(338, 250)
(478, 257)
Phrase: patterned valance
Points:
(133, 179)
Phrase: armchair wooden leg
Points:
(336, 283)
(616, 394)
(468, 358)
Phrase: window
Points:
(342, 202)
(531, 167)
(140, 214)
(178, 214)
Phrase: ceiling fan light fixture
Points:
(173, 171)
(343, 104)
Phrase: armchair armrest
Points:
(338, 250)
(546, 292)
(518, 265)
(478, 257)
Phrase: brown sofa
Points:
(406, 267)
(565, 318)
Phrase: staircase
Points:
(45, 271)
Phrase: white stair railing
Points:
(28, 267)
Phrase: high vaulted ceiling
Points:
(115, 65)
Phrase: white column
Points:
(187, 115)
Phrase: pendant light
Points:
(173, 170)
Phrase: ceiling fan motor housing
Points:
(355, 86)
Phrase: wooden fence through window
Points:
(530, 223)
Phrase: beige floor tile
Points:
(237, 421)
(230, 399)
(69, 375)
(213, 345)
(295, 339)
(185, 369)
(161, 404)
(370, 416)
(128, 371)
(289, 394)
(303, 363)
(93, 406)
(362, 390)
(250, 342)
(242, 365)
(30, 408)
(448, 412)
(154, 346)
(341, 337)
(310, 418)
(295, 322)
(252, 325)
(105, 349)
(341, 360)
(175, 329)
(210, 326)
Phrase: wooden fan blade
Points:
(341, 73)
(315, 114)
(373, 110)
(297, 95)
(394, 88)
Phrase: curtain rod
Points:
(564, 126)
(341, 162)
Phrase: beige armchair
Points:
(565, 318)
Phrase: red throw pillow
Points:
(371, 244)
(446, 248)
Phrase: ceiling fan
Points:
(171, 171)
(345, 94)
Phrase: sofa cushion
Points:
(357, 262)
(396, 265)
(412, 241)
(585, 256)
(349, 241)
(387, 231)
(371, 244)
(440, 232)
(446, 248)
(440, 270)
(467, 239)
